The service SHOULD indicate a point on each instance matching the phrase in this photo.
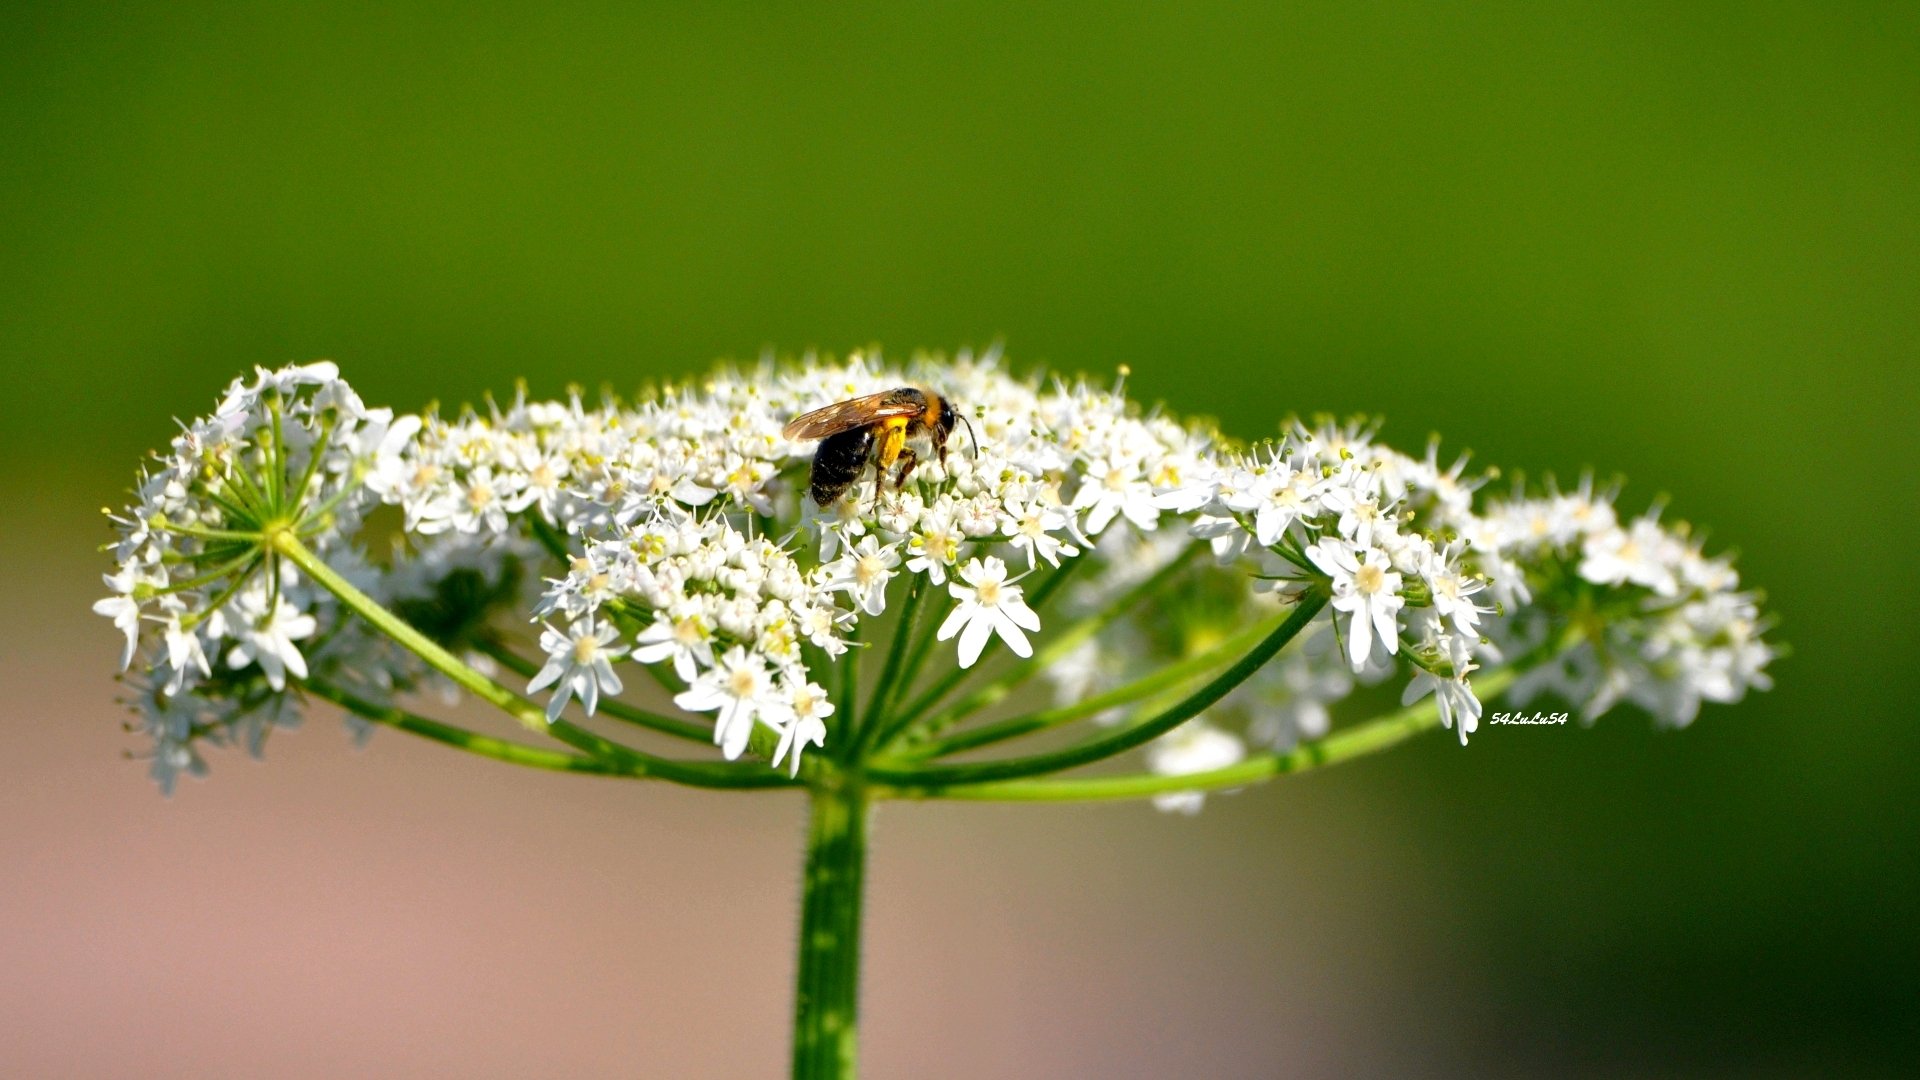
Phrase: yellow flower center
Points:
(1370, 579)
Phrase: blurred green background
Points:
(1678, 241)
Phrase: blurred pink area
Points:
(405, 910)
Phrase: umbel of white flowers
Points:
(296, 543)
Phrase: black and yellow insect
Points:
(875, 430)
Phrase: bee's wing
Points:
(845, 415)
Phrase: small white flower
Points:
(1459, 708)
(935, 546)
(1194, 747)
(1367, 589)
(992, 605)
(580, 662)
(1031, 528)
(480, 504)
(1114, 488)
(544, 476)
(739, 690)
(863, 573)
(1362, 517)
(1284, 491)
(1452, 591)
(682, 637)
(807, 708)
(185, 654)
(1641, 554)
(123, 609)
(266, 629)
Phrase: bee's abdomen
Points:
(837, 464)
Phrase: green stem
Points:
(471, 741)
(1353, 742)
(827, 992)
(887, 688)
(200, 533)
(277, 466)
(550, 538)
(1127, 738)
(619, 710)
(846, 695)
(210, 576)
(249, 492)
(314, 453)
(1165, 678)
(224, 595)
(531, 716)
(1044, 591)
(932, 616)
(916, 725)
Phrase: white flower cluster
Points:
(1676, 629)
(676, 533)
(226, 630)
(1417, 569)
(690, 538)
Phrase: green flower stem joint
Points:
(1088, 603)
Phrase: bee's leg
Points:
(908, 459)
(879, 485)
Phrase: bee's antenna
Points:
(973, 441)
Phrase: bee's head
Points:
(949, 416)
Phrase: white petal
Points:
(956, 619)
(739, 731)
(1009, 632)
(547, 675)
(295, 662)
(1359, 638)
(973, 639)
(1017, 611)
(1388, 630)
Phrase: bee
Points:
(874, 430)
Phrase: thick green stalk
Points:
(827, 995)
